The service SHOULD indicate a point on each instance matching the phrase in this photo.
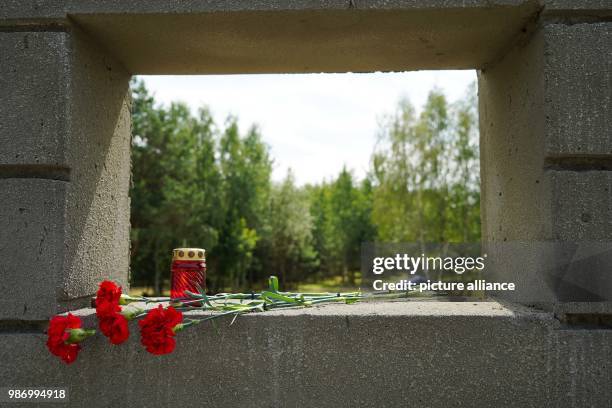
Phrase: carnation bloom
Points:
(157, 330)
(115, 327)
(108, 293)
(112, 323)
(107, 309)
(63, 336)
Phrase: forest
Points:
(197, 183)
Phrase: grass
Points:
(146, 291)
(332, 284)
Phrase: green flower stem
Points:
(195, 297)
(286, 305)
(269, 299)
(126, 299)
(132, 313)
(182, 326)
(78, 335)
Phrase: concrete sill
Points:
(370, 354)
(403, 308)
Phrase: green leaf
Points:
(273, 284)
(278, 296)
(203, 293)
(260, 308)
(193, 295)
(236, 306)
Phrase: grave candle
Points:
(188, 270)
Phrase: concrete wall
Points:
(365, 355)
(545, 109)
(546, 150)
(545, 89)
(64, 171)
(246, 36)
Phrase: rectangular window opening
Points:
(289, 175)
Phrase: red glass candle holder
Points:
(188, 271)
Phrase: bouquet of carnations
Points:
(159, 325)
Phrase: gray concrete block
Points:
(357, 355)
(557, 100)
(515, 204)
(33, 79)
(581, 360)
(533, 191)
(32, 225)
(16, 11)
(97, 234)
(532, 109)
(23, 9)
(549, 97)
(427, 353)
(578, 84)
(432, 4)
(83, 95)
(206, 37)
(601, 7)
(582, 205)
(425, 35)
(549, 273)
(581, 212)
(582, 308)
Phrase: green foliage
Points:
(342, 220)
(198, 184)
(287, 239)
(194, 185)
(426, 173)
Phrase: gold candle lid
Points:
(188, 254)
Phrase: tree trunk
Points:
(157, 275)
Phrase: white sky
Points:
(313, 123)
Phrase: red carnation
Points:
(115, 327)
(108, 292)
(157, 330)
(112, 324)
(106, 309)
(64, 334)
